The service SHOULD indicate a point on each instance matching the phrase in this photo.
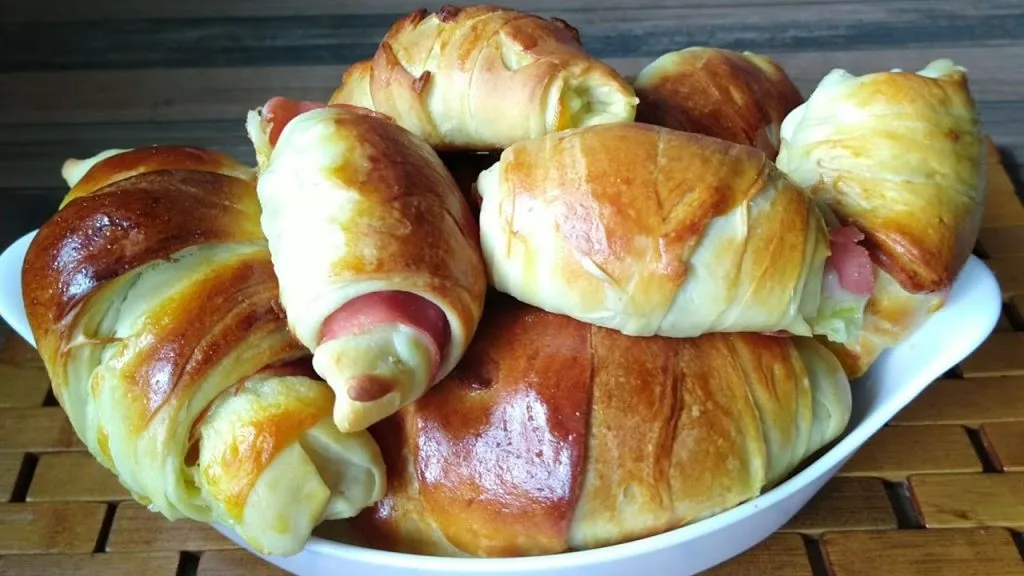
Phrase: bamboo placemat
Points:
(939, 491)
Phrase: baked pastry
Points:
(741, 97)
(153, 303)
(899, 156)
(556, 435)
(483, 77)
(652, 231)
(375, 248)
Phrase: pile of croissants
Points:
(493, 299)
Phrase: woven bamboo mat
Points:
(940, 491)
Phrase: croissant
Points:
(375, 248)
(483, 77)
(898, 155)
(153, 302)
(652, 231)
(739, 97)
(554, 435)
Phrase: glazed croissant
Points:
(899, 155)
(153, 302)
(482, 77)
(652, 231)
(739, 97)
(375, 248)
(554, 435)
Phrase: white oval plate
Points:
(897, 377)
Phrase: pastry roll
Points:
(153, 302)
(652, 231)
(739, 97)
(556, 435)
(483, 77)
(899, 156)
(375, 248)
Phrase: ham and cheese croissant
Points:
(652, 231)
(483, 77)
(153, 302)
(899, 155)
(553, 435)
(375, 248)
(739, 97)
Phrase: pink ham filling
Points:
(279, 111)
(851, 261)
(391, 307)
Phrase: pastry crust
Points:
(554, 435)
(652, 231)
(483, 77)
(354, 204)
(741, 97)
(153, 302)
(900, 155)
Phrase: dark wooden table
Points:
(940, 491)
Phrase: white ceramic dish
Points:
(898, 376)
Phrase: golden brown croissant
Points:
(652, 231)
(375, 248)
(739, 97)
(898, 155)
(553, 435)
(153, 302)
(483, 77)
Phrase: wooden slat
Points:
(895, 452)
(953, 401)
(1016, 309)
(1004, 442)
(36, 430)
(73, 476)
(29, 212)
(977, 552)
(227, 93)
(1000, 355)
(1002, 241)
(10, 467)
(961, 500)
(15, 351)
(1002, 204)
(149, 564)
(235, 563)
(778, 554)
(23, 386)
(49, 528)
(327, 39)
(845, 504)
(31, 154)
(22, 10)
(136, 529)
(1009, 270)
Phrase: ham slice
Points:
(279, 111)
(851, 261)
(391, 307)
